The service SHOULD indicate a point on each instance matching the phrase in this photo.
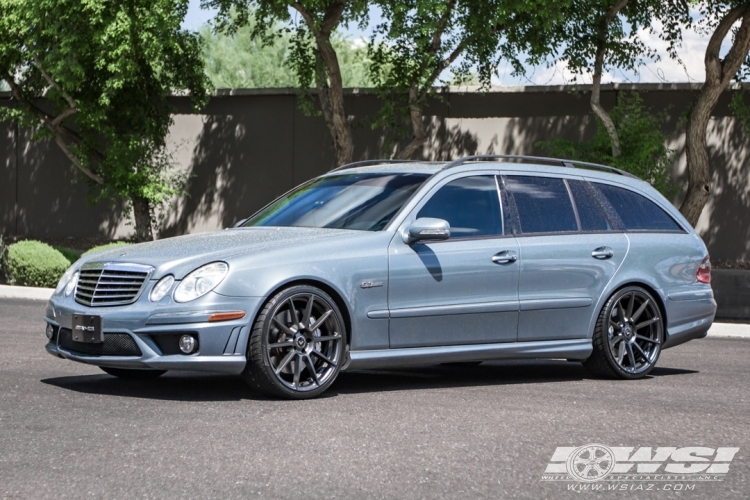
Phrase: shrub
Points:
(643, 144)
(33, 263)
(108, 246)
(69, 254)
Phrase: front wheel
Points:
(296, 348)
(628, 335)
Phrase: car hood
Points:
(182, 254)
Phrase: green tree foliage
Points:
(598, 35)
(242, 60)
(313, 55)
(643, 145)
(94, 76)
(419, 40)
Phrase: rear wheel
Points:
(628, 335)
(296, 348)
(133, 374)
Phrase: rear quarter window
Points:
(637, 212)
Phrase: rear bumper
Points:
(688, 320)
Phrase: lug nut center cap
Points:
(300, 342)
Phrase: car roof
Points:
(430, 168)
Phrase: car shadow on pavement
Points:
(196, 386)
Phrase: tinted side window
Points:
(543, 204)
(636, 211)
(589, 213)
(471, 205)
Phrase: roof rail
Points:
(365, 163)
(564, 163)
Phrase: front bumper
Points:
(221, 346)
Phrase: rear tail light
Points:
(703, 274)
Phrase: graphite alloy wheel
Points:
(296, 348)
(628, 335)
(133, 374)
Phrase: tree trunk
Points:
(418, 129)
(333, 100)
(596, 105)
(340, 128)
(718, 75)
(142, 216)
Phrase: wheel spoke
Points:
(640, 310)
(320, 320)
(293, 311)
(281, 326)
(629, 347)
(308, 310)
(641, 352)
(324, 358)
(614, 340)
(285, 361)
(641, 337)
(297, 372)
(621, 354)
(311, 369)
(631, 303)
(646, 323)
(327, 338)
(616, 312)
(280, 345)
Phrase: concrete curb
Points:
(25, 292)
(729, 330)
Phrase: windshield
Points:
(366, 202)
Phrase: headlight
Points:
(161, 288)
(200, 282)
(71, 284)
(64, 280)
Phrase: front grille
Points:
(115, 344)
(111, 284)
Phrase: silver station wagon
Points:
(391, 264)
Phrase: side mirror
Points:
(240, 222)
(427, 229)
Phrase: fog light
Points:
(50, 331)
(187, 344)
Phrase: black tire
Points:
(631, 324)
(125, 373)
(464, 364)
(283, 357)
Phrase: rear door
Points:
(569, 251)
(453, 292)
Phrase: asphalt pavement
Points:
(68, 430)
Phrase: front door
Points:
(463, 290)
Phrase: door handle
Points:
(602, 253)
(505, 257)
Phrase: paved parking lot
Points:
(70, 431)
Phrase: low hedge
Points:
(33, 263)
(108, 246)
(69, 254)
